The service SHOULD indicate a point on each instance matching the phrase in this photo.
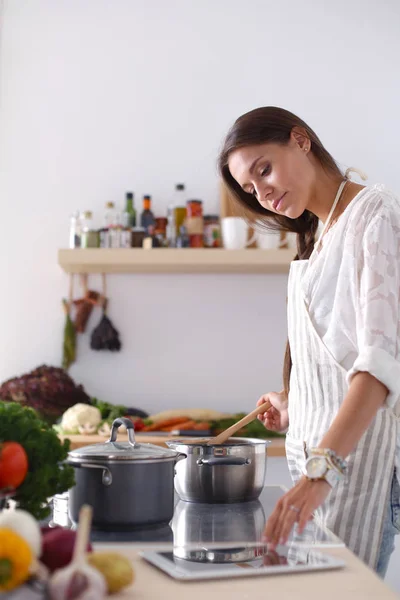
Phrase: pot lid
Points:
(115, 451)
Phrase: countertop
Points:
(275, 448)
(355, 582)
(201, 526)
(239, 526)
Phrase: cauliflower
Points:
(104, 429)
(87, 429)
(80, 416)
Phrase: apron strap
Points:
(354, 170)
(334, 205)
(335, 202)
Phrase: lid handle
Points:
(129, 427)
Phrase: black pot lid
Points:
(114, 451)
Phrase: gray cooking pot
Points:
(229, 472)
(127, 484)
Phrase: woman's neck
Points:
(324, 192)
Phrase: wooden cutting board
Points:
(276, 447)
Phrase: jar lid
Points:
(113, 451)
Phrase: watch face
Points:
(316, 467)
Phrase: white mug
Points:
(268, 240)
(291, 240)
(234, 233)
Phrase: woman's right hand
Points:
(276, 418)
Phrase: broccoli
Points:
(48, 474)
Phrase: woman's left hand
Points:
(297, 505)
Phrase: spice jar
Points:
(160, 230)
(212, 231)
(194, 208)
(137, 236)
(196, 240)
(195, 222)
(90, 238)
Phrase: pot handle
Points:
(106, 477)
(180, 456)
(211, 462)
(129, 427)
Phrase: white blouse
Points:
(352, 289)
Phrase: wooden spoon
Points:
(224, 435)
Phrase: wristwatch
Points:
(319, 467)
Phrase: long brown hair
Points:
(261, 126)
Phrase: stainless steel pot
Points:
(218, 534)
(127, 484)
(200, 525)
(229, 472)
(221, 555)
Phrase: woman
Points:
(341, 390)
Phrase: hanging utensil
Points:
(69, 339)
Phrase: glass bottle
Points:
(128, 221)
(113, 226)
(183, 240)
(147, 219)
(75, 230)
(129, 214)
(110, 216)
(176, 214)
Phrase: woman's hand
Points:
(297, 505)
(276, 418)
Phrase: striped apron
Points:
(356, 508)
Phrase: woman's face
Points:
(281, 177)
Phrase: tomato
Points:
(13, 464)
(138, 423)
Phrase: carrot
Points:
(165, 423)
(184, 425)
(201, 425)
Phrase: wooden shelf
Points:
(174, 260)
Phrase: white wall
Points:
(100, 96)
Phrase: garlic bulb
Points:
(75, 582)
(78, 580)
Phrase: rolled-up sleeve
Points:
(377, 306)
